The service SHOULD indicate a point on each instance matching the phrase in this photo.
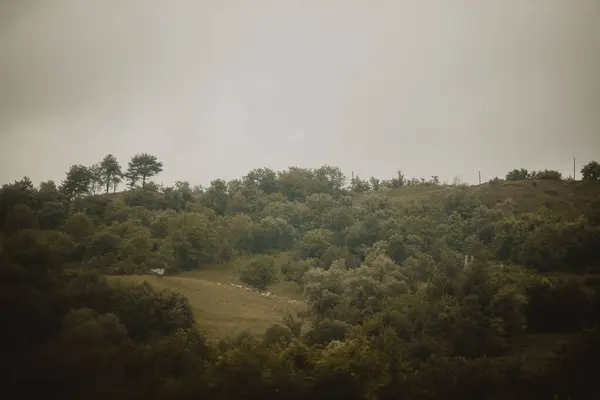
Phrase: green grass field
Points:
(565, 198)
(222, 309)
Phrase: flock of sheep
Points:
(264, 294)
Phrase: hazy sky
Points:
(215, 88)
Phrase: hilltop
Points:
(564, 197)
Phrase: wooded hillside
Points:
(405, 288)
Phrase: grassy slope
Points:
(222, 309)
(568, 198)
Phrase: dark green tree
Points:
(79, 226)
(259, 272)
(78, 182)
(272, 234)
(330, 180)
(97, 182)
(217, 196)
(110, 170)
(263, 178)
(141, 167)
(48, 192)
(20, 192)
(315, 243)
(547, 174)
(195, 240)
(518, 175)
(52, 214)
(297, 183)
(591, 171)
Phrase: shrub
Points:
(260, 272)
(278, 334)
(518, 175)
(547, 174)
(328, 330)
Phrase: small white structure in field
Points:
(468, 261)
(158, 271)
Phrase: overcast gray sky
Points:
(215, 88)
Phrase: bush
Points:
(518, 175)
(260, 272)
(547, 174)
(278, 334)
(326, 331)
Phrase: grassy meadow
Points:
(222, 309)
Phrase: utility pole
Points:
(574, 168)
(480, 177)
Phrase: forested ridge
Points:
(414, 289)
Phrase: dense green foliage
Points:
(591, 171)
(259, 272)
(523, 174)
(429, 299)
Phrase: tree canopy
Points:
(591, 171)
(111, 173)
(141, 167)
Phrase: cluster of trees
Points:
(358, 185)
(589, 172)
(395, 310)
(523, 174)
(108, 174)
